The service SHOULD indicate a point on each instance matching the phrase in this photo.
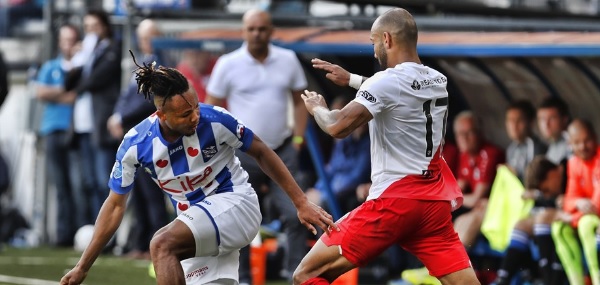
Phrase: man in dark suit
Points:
(97, 91)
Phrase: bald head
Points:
(582, 139)
(147, 26)
(579, 125)
(400, 24)
(146, 31)
(257, 30)
(256, 15)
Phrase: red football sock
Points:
(316, 281)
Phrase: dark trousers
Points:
(150, 211)
(96, 163)
(62, 172)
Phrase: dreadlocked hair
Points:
(163, 82)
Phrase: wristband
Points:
(355, 81)
(298, 140)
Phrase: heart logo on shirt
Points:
(192, 151)
(162, 163)
(182, 207)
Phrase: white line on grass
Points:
(25, 281)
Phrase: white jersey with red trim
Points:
(409, 104)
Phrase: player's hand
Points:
(585, 206)
(311, 214)
(564, 217)
(313, 100)
(73, 277)
(362, 191)
(114, 127)
(335, 73)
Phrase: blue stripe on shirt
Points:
(224, 179)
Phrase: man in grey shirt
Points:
(524, 146)
(552, 119)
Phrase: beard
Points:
(382, 57)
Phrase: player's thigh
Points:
(223, 222)
(176, 238)
(546, 216)
(435, 242)
(525, 225)
(462, 277)
(323, 261)
(371, 228)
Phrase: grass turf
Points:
(50, 264)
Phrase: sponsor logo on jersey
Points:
(117, 171)
(415, 85)
(180, 147)
(428, 83)
(209, 152)
(365, 94)
(187, 216)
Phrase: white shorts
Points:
(223, 222)
(212, 270)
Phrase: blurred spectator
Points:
(196, 66)
(553, 118)
(580, 206)
(543, 182)
(348, 167)
(54, 128)
(258, 81)
(97, 89)
(451, 156)
(524, 146)
(150, 211)
(477, 168)
(3, 80)
(15, 11)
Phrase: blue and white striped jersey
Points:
(191, 168)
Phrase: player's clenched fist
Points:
(73, 277)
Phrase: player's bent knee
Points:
(162, 244)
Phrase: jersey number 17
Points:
(439, 102)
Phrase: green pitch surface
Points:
(45, 266)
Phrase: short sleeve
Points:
(123, 171)
(218, 84)
(371, 94)
(44, 76)
(237, 134)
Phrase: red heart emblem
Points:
(192, 151)
(182, 207)
(162, 163)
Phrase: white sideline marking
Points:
(25, 281)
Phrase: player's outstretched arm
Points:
(336, 123)
(108, 221)
(308, 213)
(337, 74)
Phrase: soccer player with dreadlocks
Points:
(188, 149)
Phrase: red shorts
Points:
(423, 228)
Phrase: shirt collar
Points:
(249, 57)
